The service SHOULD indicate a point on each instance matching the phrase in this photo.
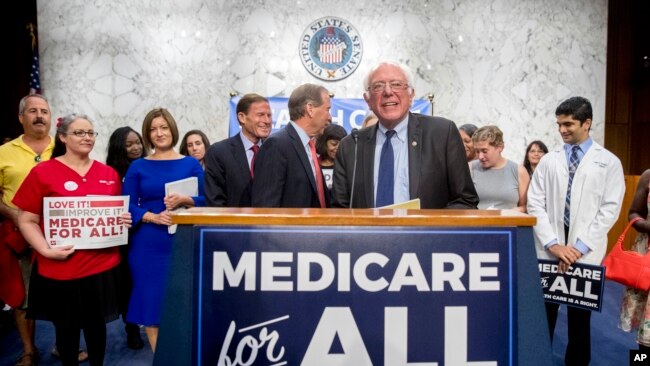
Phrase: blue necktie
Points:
(386, 178)
(574, 161)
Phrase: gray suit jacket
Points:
(438, 171)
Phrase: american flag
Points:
(331, 47)
(34, 76)
(34, 72)
(331, 50)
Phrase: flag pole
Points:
(35, 73)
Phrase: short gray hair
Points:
(23, 101)
(301, 96)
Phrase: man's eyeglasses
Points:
(397, 86)
(82, 133)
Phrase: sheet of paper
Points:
(411, 204)
(188, 187)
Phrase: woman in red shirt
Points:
(75, 289)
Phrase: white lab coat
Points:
(596, 197)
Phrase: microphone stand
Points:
(355, 137)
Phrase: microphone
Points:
(355, 134)
(355, 137)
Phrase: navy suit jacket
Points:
(438, 171)
(283, 174)
(227, 175)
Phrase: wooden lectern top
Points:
(350, 217)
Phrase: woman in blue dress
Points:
(151, 243)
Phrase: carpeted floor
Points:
(116, 351)
(610, 345)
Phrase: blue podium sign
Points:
(354, 296)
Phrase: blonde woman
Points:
(501, 184)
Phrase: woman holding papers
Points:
(75, 289)
(151, 242)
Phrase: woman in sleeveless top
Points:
(501, 184)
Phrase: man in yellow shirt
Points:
(17, 157)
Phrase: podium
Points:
(261, 286)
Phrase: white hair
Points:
(405, 69)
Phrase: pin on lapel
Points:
(414, 143)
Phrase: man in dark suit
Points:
(228, 163)
(426, 160)
(287, 173)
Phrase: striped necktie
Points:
(255, 148)
(574, 161)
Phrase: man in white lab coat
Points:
(574, 229)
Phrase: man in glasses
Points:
(17, 157)
(404, 156)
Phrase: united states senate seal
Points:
(331, 48)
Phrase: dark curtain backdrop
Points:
(627, 115)
(17, 61)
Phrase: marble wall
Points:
(504, 62)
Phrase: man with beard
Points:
(17, 158)
(229, 163)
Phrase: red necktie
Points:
(255, 149)
(319, 174)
